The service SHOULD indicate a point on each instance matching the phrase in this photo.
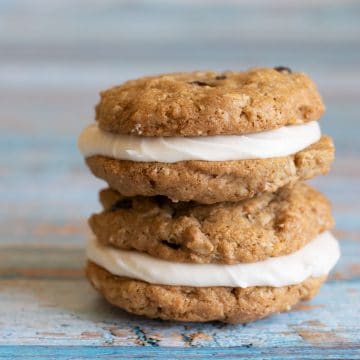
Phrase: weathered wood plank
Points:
(69, 312)
(115, 352)
(47, 284)
(66, 262)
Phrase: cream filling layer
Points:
(315, 259)
(284, 141)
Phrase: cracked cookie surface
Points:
(209, 103)
(267, 225)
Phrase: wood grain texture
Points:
(54, 58)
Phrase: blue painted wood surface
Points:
(54, 58)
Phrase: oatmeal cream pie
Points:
(206, 217)
(145, 285)
(250, 230)
(208, 137)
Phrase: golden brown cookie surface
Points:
(251, 230)
(213, 181)
(183, 303)
(209, 103)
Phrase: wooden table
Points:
(54, 58)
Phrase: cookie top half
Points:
(209, 103)
(251, 230)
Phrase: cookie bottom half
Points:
(201, 304)
(211, 182)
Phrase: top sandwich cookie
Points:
(209, 103)
(208, 137)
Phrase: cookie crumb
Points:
(137, 129)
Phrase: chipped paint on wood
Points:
(321, 338)
(68, 311)
(306, 307)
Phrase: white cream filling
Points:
(284, 141)
(316, 258)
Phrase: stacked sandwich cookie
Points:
(206, 216)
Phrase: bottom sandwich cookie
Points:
(156, 288)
